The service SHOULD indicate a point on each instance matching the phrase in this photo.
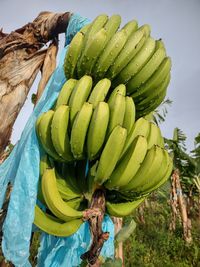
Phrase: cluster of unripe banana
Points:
(129, 56)
(95, 136)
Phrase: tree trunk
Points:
(141, 213)
(174, 203)
(21, 58)
(186, 222)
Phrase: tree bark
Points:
(141, 213)
(21, 58)
(174, 203)
(186, 222)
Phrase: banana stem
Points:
(95, 222)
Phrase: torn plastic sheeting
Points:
(22, 170)
(69, 250)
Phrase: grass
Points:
(153, 245)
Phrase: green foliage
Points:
(159, 115)
(196, 154)
(161, 112)
(153, 245)
(125, 232)
(112, 263)
(184, 162)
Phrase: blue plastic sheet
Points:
(22, 170)
(69, 249)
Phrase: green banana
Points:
(160, 44)
(129, 116)
(109, 54)
(99, 92)
(161, 141)
(73, 54)
(157, 91)
(65, 92)
(52, 227)
(129, 164)
(65, 189)
(147, 71)
(156, 79)
(69, 174)
(75, 202)
(153, 137)
(97, 130)
(95, 26)
(120, 89)
(117, 111)
(44, 164)
(85, 28)
(59, 134)
(40, 196)
(141, 127)
(44, 134)
(79, 130)
(136, 64)
(153, 103)
(112, 26)
(65, 193)
(54, 200)
(94, 48)
(164, 178)
(130, 27)
(146, 29)
(79, 95)
(130, 49)
(109, 156)
(149, 168)
(153, 181)
(37, 123)
(122, 209)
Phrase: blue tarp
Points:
(22, 170)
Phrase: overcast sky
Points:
(177, 22)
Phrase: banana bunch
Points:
(98, 134)
(60, 193)
(93, 140)
(128, 56)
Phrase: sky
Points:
(177, 22)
